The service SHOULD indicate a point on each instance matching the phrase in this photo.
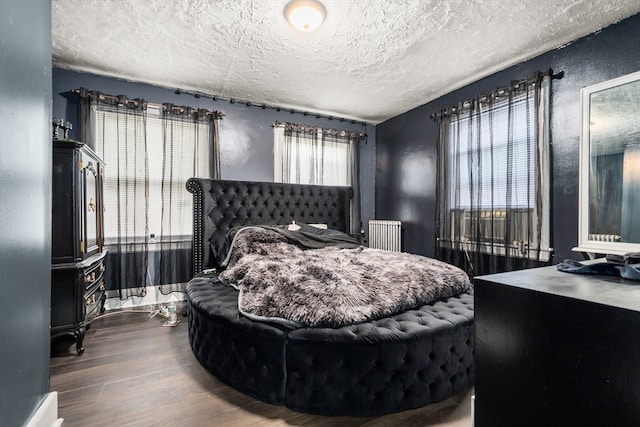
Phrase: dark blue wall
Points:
(406, 144)
(246, 135)
(25, 207)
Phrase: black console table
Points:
(556, 349)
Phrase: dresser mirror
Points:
(609, 211)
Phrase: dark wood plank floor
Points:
(136, 372)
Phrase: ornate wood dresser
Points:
(77, 254)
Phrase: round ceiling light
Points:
(305, 15)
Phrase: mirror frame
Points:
(592, 247)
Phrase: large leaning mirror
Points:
(609, 220)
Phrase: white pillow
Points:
(295, 227)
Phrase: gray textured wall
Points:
(406, 144)
(25, 207)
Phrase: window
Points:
(500, 159)
(494, 174)
(491, 180)
(316, 156)
(309, 155)
(148, 161)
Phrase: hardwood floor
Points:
(136, 372)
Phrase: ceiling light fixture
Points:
(305, 15)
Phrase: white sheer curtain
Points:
(317, 156)
(117, 130)
(188, 147)
(150, 152)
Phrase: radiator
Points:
(385, 234)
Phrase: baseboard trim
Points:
(47, 413)
(473, 410)
(152, 297)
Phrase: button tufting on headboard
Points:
(219, 205)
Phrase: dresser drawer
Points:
(93, 304)
(96, 287)
(77, 297)
(93, 276)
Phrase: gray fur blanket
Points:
(331, 287)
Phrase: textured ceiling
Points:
(370, 60)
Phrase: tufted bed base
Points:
(388, 365)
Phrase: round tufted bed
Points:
(382, 366)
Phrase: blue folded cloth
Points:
(626, 271)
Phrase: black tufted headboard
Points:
(220, 205)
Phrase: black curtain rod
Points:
(123, 98)
(299, 127)
(556, 76)
(247, 103)
(266, 106)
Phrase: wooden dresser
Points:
(556, 349)
(77, 254)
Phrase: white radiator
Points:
(385, 234)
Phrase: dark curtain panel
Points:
(493, 179)
(88, 105)
(356, 210)
(352, 141)
(214, 145)
(115, 126)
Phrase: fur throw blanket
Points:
(331, 287)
